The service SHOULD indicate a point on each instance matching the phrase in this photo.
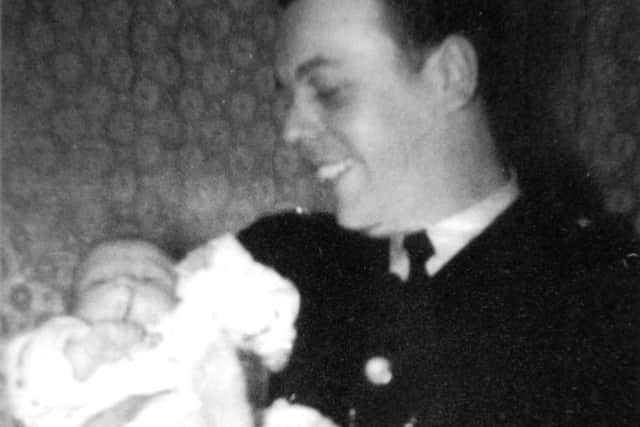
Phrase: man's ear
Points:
(453, 70)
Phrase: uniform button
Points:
(583, 222)
(378, 371)
(411, 422)
(301, 210)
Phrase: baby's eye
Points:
(148, 280)
(97, 282)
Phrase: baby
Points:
(128, 357)
(121, 288)
(126, 279)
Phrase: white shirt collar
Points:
(451, 234)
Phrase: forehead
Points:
(124, 256)
(331, 30)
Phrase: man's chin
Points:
(376, 231)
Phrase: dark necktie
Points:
(419, 249)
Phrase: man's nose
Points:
(300, 125)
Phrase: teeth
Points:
(332, 171)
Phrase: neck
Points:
(471, 171)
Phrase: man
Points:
(517, 311)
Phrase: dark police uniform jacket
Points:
(531, 324)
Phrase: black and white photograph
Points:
(319, 213)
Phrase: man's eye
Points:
(97, 282)
(329, 96)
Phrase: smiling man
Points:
(440, 292)
(383, 127)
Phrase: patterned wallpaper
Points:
(593, 95)
(607, 103)
(158, 117)
(150, 117)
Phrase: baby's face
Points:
(128, 280)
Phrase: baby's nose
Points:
(124, 286)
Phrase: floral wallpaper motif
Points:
(608, 103)
(159, 118)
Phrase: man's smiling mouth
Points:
(333, 171)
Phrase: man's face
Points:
(359, 113)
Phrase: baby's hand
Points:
(107, 342)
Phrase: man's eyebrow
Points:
(308, 66)
(305, 69)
